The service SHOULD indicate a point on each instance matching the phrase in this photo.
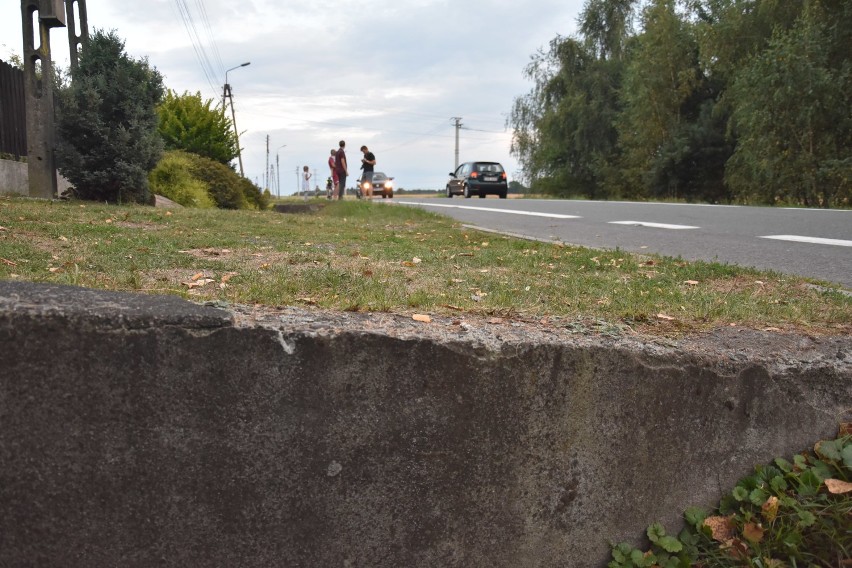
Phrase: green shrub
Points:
(172, 178)
(787, 514)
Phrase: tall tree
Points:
(107, 123)
(607, 26)
(189, 123)
(792, 117)
(563, 129)
(662, 97)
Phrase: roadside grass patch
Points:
(361, 256)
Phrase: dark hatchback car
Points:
(478, 178)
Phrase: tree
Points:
(792, 117)
(189, 123)
(107, 123)
(563, 129)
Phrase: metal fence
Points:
(13, 115)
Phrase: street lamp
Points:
(226, 92)
(278, 170)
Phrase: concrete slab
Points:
(137, 430)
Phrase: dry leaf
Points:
(265, 266)
(198, 283)
(63, 239)
(8, 262)
(108, 221)
(54, 269)
(227, 276)
(485, 271)
(407, 263)
(197, 276)
(168, 213)
(3, 228)
(769, 510)
(665, 317)
(771, 329)
(456, 281)
(416, 260)
(421, 318)
(722, 528)
(753, 532)
(845, 429)
(691, 282)
(838, 487)
(496, 320)
(309, 301)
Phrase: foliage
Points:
(792, 117)
(226, 187)
(795, 513)
(189, 123)
(172, 178)
(714, 100)
(107, 123)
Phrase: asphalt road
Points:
(816, 243)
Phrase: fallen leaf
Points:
(527, 289)
(753, 532)
(665, 317)
(838, 487)
(421, 318)
(227, 276)
(108, 221)
(496, 320)
(845, 429)
(691, 282)
(8, 262)
(309, 301)
(198, 283)
(485, 243)
(456, 281)
(168, 213)
(484, 271)
(721, 528)
(771, 329)
(408, 264)
(54, 269)
(63, 239)
(416, 260)
(3, 228)
(769, 510)
(265, 266)
(197, 276)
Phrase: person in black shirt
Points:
(368, 164)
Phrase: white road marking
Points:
(653, 225)
(812, 240)
(492, 210)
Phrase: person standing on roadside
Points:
(306, 181)
(368, 164)
(342, 169)
(333, 172)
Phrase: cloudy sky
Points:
(390, 74)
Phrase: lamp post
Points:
(226, 92)
(278, 170)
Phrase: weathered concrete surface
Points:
(14, 178)
(140, 430)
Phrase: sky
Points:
(388, 74)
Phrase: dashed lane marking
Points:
(653, 225)
(492, 210)
(811, 240)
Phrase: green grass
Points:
(360, 256)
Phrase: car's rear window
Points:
(493, 168)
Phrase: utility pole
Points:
(458, 125)
(297, 180)
(227, 94)
(267, 162)
(278, 172)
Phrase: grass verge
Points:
(369, 257)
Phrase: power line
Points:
(197, 45)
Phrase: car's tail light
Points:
(503, 175)
(474, 175)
